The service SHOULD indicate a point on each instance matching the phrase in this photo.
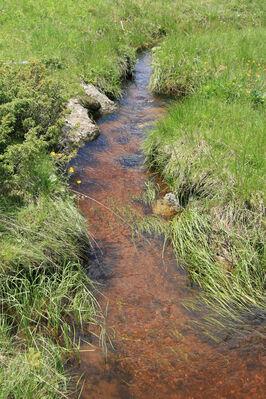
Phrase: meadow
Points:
(209, 150)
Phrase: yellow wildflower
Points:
(78, 181)
(59, 154)
(53, 153)
(71, 170)
(247, 90)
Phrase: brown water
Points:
(157, 352)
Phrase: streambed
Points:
(157, 352)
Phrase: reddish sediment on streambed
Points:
(157, 352)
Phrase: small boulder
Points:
(161, 208)
(171, 200)
(90, 103)
(107, 105)
(167, 207)
(79, 126)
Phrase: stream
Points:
(158, 353)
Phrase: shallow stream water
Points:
(157, 352)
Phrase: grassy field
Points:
(93, 40)
(209, 151)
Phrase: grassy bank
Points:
(210, 151)
(45, 294)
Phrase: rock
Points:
(17, 63)
(107, 106)
(90, 103)
(171, 200)
(161, 208)
(79, 126)
(167, 206)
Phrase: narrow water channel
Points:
(157, 353)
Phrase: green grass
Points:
(210, 151)
(45, 296)
(36, 373)
(226, 63)
(95, 40)
(98, 40)
(211, 148)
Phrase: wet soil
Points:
(157, 352)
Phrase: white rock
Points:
(79, 126)
(171, 200)
(107, 105)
